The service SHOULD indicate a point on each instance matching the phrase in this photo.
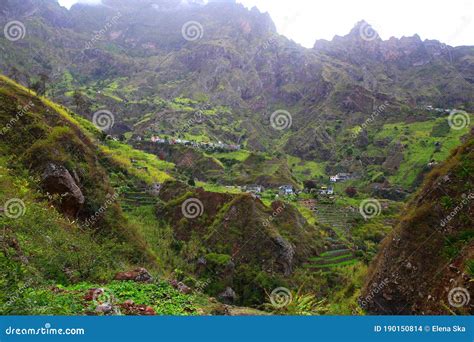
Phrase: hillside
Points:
(425, 265)
(79, 208)
(182, 157)
(135, 61)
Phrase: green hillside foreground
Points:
(52, 252)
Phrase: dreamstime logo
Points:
(277, 212)
(14, 208)
(103, 120)
(367, 33)
(101, 34)
(370, 208)
(465, 200)
(281, 119)
(22, 110)
(375, 114)
(192, 208)
(281, 297)
(377, 288)
(110, 200)
(192, 31)
(458, 297)
(14, 30)
(458, 119)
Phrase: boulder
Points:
(93, 294)
(139, 275)
(105, 308)
(56, 180)
(129, 308)
(228, 296)
(181, 287)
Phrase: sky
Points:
(305, 21)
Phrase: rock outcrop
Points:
(139, 275)
(57, 180)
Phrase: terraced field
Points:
(332, 258)
(133, 196)
(340, 220)
(340, 253)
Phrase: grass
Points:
(218, 188)
(332, 265)
(122, 155)
(304, 170)
(420, 146)
(69, 300)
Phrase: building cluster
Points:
(201, 145)
(439, 110)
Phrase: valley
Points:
(235, 174)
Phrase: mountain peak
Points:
(364, 31)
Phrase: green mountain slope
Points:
(425, 265)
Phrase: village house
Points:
(286, 190)
(340, 177)
(256, 189)
(326, 191)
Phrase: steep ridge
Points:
(236, 241)
(122, 57)
(425, 265)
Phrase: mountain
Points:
(425, 265)
(126, 58)
(185, 158)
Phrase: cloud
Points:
(69, 3)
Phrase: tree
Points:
(310, 184)
(191, 182)
(351, 191)
(39, 86)
(80, 102)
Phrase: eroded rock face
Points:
(285, 253)
(57, 180)
(139, 275)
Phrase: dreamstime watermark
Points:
(377, 288)
(192, 208)
(46, 330)
(281, 120)
(375, 114)
(22, 110)
(367, 33)
(110, 200)
(459, 207)
(14, 208)
(103, 120)
(192, 31)
(198, 118)
(14, 30)
(266, 222)
(102, 32)
(201, 285)
(458, 119)
(17, 295)
(459, 297)
(281, 297)
(370, 208)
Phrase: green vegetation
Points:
(70, 300)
